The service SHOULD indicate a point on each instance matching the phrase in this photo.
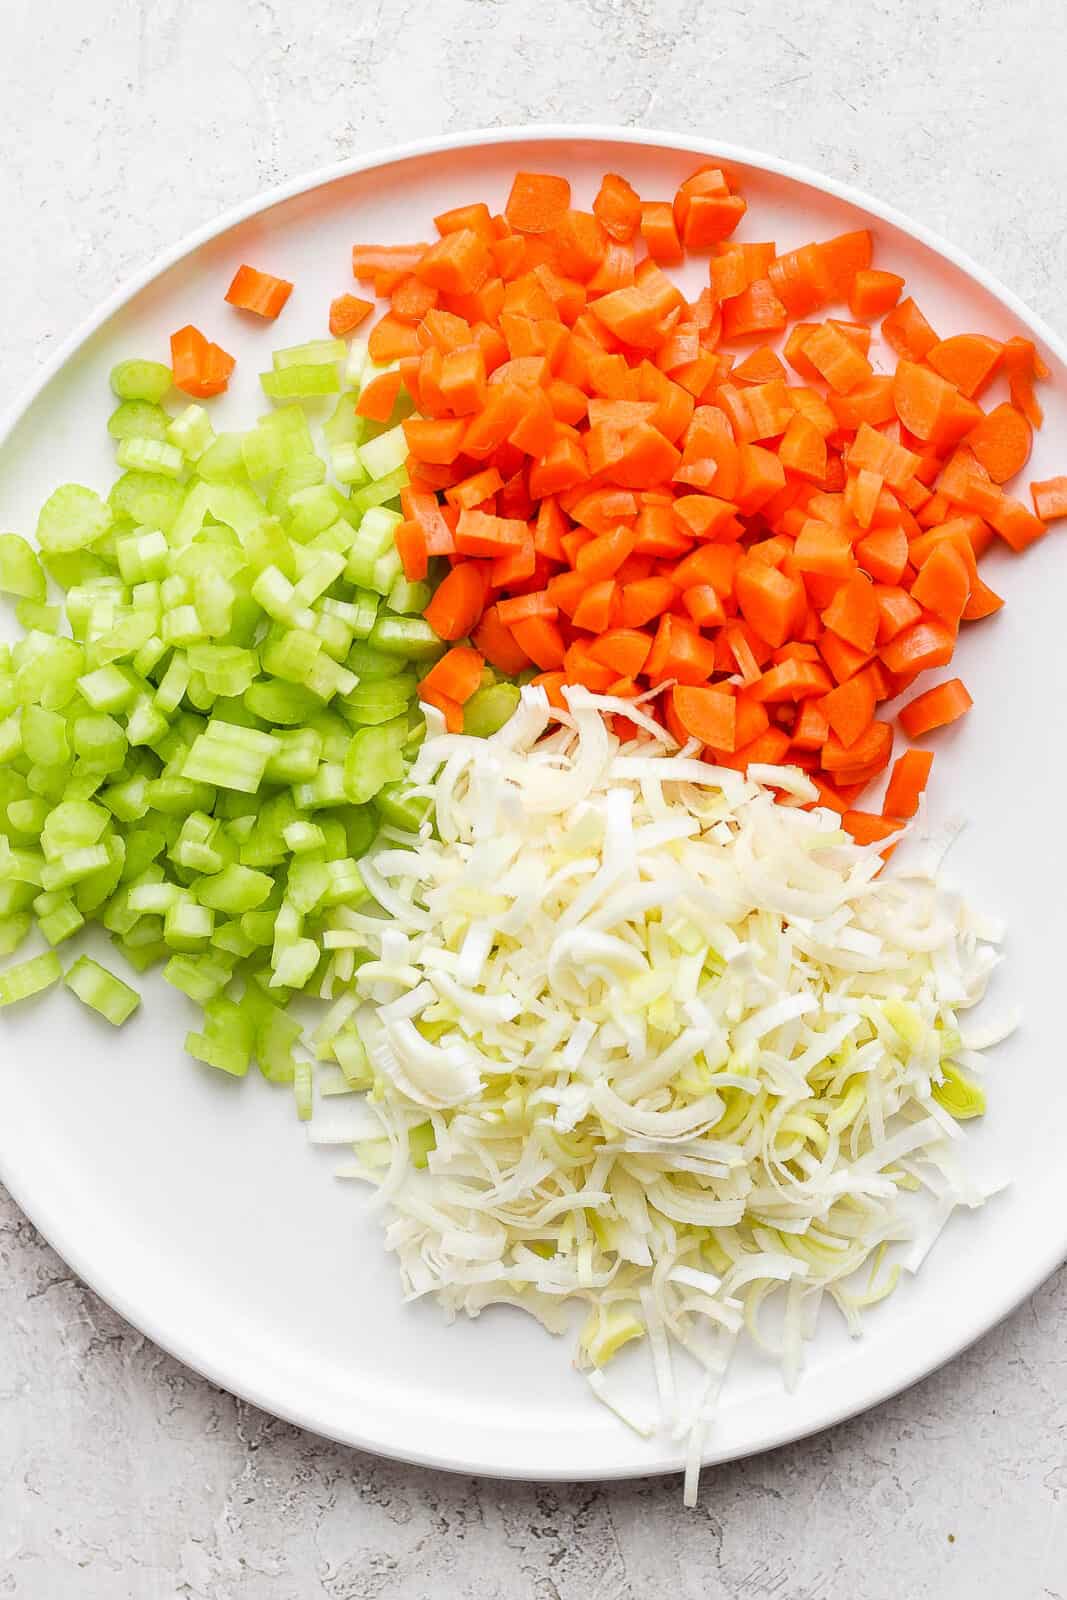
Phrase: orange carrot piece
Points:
(866, 828)
(260, 292)
(707, 715)
(660, 235)
(1016, 523)
(434, 441)
(538, 202)
(873, 292)
(969, 360)
(624, 649)
(984, 602)
(451, 710)
(458, 602)
(849, 708)
(498, 644)
(884, 554)
(1050, 498)
(1002, 441)
(853, 613)
(929, 642)
(803, 449)
(906, 783)
(1022, 365)
(769, 600)
(390, 339)
(907, 331)
(542, 641)
(943, 584)
(617, 207)
(935, 709)
(378, 398)
(347, 311)
(457, 674)
(835, 358)
(200, 368)
(644, 600)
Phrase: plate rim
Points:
(37, 1209)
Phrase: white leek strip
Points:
(641, 1424)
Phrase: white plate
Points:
(192, 1202)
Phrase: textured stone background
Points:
(125, 123)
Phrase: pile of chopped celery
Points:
(211, 710)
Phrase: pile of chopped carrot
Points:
(780, 533)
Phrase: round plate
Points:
(193, 1204)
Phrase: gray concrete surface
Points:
(124, 124)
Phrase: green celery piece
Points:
(489, 708)
(371, 665)
(374, 702)
(72, 518)
(375, 757)
(138, 419)
(409, 637)
(13, 930)
(101, 991)
(401, 809)
(302, 382)
(20, 571)
(141, 380)
(29, 978)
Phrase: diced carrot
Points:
(803, 449)
(873, 293)
(659, 232)
(935, 708)
(261, 292)
(1001, 441)
(924, 644)
(458, 601)
(498, 644)
(984, 602)
(450, 709)
(377, 398)
(617, 207)
(943, 583)
(849, 708)
(866, 828)
(644, 600)
(1023, 364)
(707, 715)
(906, 783)
(770, 601)
(199, 367)
(907, 331)
(1016, 523)
(390, 339)
(853, 613)
(542, 641)
(538, 202)
(457, 674)
(347, 311)
(969, 360)
(624, 649)
(1050, 498)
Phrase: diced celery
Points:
(13, 930)
(347, 463)
(192, 432)
(302, 1089)
(44, 736)
(375, 757)
(29, 978)
(150, 455)
(401, 809)
(72, 518)
(138, 419)
(488, 709)
(380, 492)
(101, 991)
(32, 614)
(61, 922)
(235, 889)
(20, 570)
(409, 599)
(141, 380)
(301, 382)
(316, 353)
(148, 498)
(411, 638)
(385, 454)
(373, 702)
